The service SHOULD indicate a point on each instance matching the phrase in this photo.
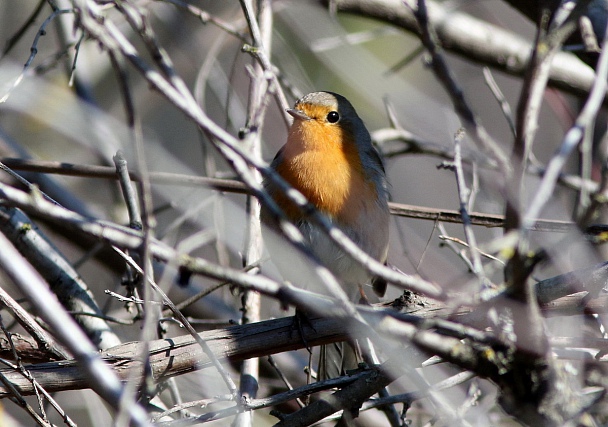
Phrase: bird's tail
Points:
(336, 359)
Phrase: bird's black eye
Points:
(333, 117)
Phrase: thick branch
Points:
(476, 40)
(177, 356)
(63, 280)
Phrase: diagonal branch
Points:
(476, 40)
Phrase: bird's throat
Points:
(329, 175)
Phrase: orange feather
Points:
(322, 162)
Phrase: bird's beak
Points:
(297, 114)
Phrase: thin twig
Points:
(44, 340)
(128, 191)
(29, 376)
(260, 27)
(102, 379)
(285, 380)
(126, 238)
(583, 125)
(65, 282)
(452, 381)
(206, 17)
(18, 398)
(502, 101)
(233, 186)
(463, 196)
(450, 243)
(474, 39)
(465, 244)
(34, 50)
(108, 172)
(178, 314)
(470, 121)
(14, 39)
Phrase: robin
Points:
(329, 157)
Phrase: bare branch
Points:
(101, 378)
(476, 40)
(63, 279)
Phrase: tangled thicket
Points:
(132, 147)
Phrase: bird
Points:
(330, 159)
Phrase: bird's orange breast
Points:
(323, 164)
